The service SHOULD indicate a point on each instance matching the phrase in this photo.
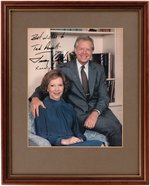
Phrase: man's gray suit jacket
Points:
(98, 98)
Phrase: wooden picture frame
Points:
(12, 124)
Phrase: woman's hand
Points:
(71, 140)
(35, 103)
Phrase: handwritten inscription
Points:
(45, 50)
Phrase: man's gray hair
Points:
(84, 38)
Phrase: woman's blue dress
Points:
(58, 121)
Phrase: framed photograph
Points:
(38, 36)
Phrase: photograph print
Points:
(75, 87)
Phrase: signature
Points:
(39, 50)
(39, 60)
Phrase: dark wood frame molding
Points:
(7, 177)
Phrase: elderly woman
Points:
(58, 122)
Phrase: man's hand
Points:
(90, 122)
(71, 140)
(35, 103)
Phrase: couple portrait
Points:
(70, 106)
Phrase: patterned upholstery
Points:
(35, 140)
(90, 135)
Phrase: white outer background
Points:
(0, 65)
